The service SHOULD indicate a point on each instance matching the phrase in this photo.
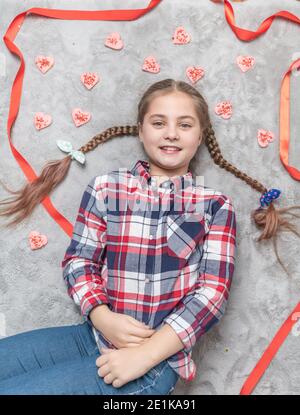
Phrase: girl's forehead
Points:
(175, 97)
(167, 104)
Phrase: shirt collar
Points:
(141, 171)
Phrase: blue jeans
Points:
(62, 361)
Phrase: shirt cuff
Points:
(91, 300)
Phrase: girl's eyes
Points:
(159, 123)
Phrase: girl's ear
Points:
(140, 132)
(200, 139)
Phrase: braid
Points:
(53, 173)
(107, 134)
(270, 219)
(215, 152)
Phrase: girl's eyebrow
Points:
(163, 116)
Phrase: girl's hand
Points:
(124, 331)
(121, 366)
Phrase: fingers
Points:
(137, 339)
(141, 332)
(140, 329)
(139, 323)
(132, 345)
(141, 341)
(103, 371)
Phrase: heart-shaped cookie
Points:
(245, 62)
(194, 73)
(224, 109)
(36, 240)
(181, 37)
(151, 65)
(114, 41)
(264, 137)
(80, 117)
(89, 79)
(42, 120)
(44, 63)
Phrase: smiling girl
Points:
(149, 281)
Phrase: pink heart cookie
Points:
(42, 120)
(44, 63)
(151, 65)
(89, 79)
(80, 117)
(245, 62)
(181, 37)
(37, 240)
(194, 73)
(264, 137)
(224, 109)
(114, 41)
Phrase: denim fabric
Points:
(62, 361)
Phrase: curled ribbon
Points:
(247, 35)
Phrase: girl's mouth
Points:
(170, 150)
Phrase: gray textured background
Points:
(33, 294)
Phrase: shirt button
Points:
(147, 280)
(151, 237)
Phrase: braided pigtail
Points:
(31, 194)
(270, 219)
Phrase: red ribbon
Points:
(285, 120)
(242, 34)
(247, 35)
(270, 352)
(16, 92)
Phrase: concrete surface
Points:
(33, 294)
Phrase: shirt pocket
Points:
(184, 232)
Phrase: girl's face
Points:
(171, 120)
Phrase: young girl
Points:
(150, 262)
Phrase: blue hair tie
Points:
(268, 197)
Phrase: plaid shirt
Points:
(137, 249)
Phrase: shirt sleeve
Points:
(84, 257)
(204, 306)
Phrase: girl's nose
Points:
(172, 134)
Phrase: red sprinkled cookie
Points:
(36, 240)
(224, 109)
(245, 62)
(44, 63)
(264, 137)
(194, 73)
(114, 41)
(151, 65)
(42, 120)
(181, 37)
(89, 79)
(80, 117)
